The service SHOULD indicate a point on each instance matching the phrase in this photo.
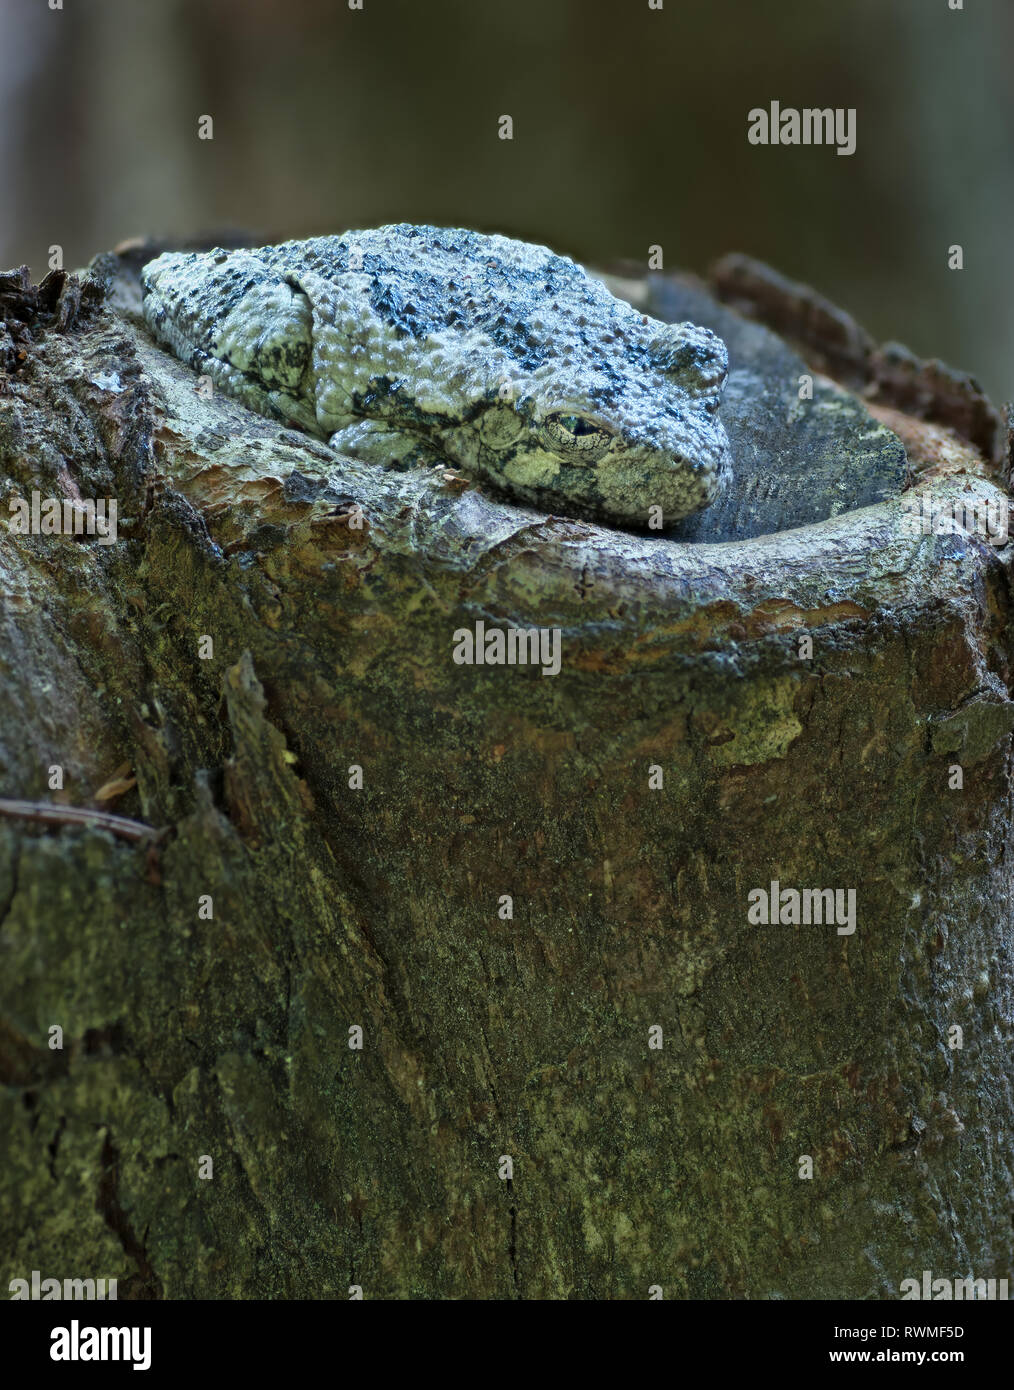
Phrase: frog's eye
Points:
(575, 436)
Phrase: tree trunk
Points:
(589, 1067)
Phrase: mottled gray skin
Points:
(407, 345)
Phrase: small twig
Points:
(52, 814)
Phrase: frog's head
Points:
(613, 433)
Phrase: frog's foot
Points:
(374, 441)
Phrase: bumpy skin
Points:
(411, 344)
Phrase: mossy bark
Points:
(380, 908)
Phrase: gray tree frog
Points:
(413, 344)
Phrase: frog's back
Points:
(421, 280)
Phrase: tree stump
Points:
(381, 970)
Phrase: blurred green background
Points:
(630, 129)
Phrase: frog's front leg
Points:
(375, 441)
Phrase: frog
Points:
(413, 345)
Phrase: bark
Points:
(380, 908)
